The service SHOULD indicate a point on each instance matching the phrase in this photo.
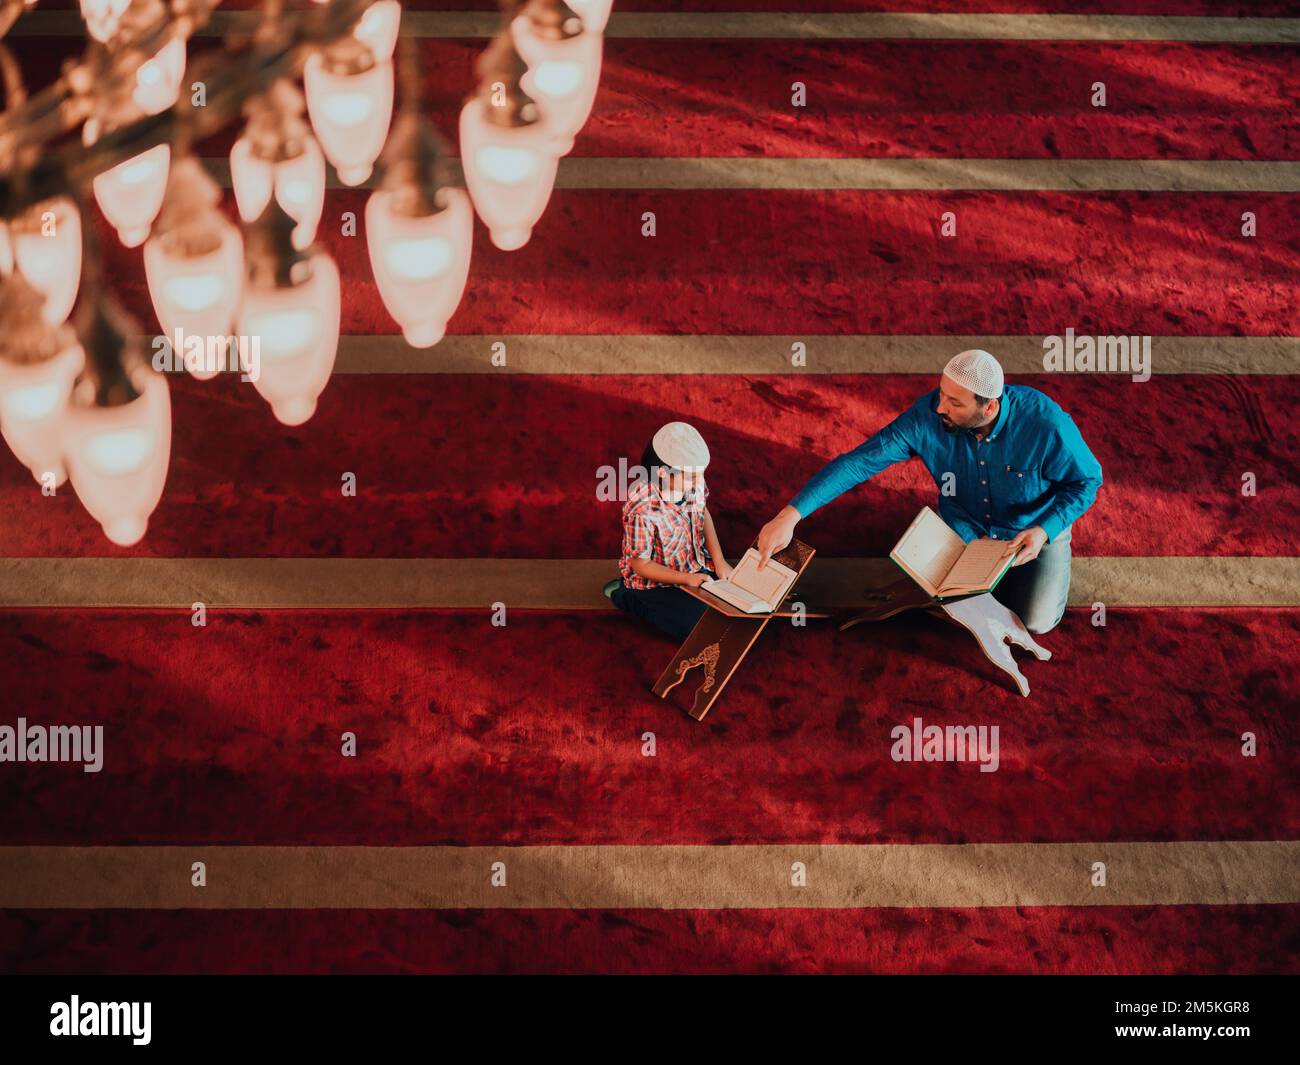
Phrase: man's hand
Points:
(777, 534)
(694, 580)
(723, 568)
(1028, 543)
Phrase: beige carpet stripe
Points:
(902, 175)
(1077, 175)
(794, 26)
(651, 877)
(839, 354)
(567, 584)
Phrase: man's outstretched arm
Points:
(894, 443)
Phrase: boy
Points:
(668, 535)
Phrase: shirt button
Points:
(981, 462)
(983, 482)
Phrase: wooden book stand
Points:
(989, 621)
(724, 635)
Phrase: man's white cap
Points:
(977, 370)
(680, 446)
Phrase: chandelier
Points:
(315, 88)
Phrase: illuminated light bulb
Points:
(378, 28)
(350, 100)
(158, 80)
(131, 193)
(38, 363)
(555, 77)
(421, 264)
(46, 244)
(194, 264)
(418, 258)
(509, 170)
(279, 156)
(31, 403)
(291, 311)
(595, 13)
(347, 108)
(563, 66)
(116, 452)
(506, 165)
(102, 17)
(297, 332)
(117, 432)
(118, 458)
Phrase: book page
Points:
(979, 565)
(767, 585)
(737, 597)
(928, 549)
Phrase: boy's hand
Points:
(724, 568)
(694, 580)
(1028, 543)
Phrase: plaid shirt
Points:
(671, 534)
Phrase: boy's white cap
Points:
(977, 370)
(680, 446)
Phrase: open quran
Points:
(940, 562)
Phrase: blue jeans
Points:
(1039, 590)
(668, 609)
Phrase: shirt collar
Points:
(1004, 403)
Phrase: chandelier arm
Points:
(9, 12)
(230, 77)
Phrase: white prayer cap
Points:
(680, 446)
(977, 370)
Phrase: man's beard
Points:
(951, 426)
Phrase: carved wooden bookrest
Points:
(723, 636)
(990, 622)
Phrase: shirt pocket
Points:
(1020, 485)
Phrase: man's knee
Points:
(1042, 617)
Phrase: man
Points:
(1010, 463)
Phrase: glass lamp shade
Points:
(595, 13)
(510, 172)
(420, 264)
(33, 406)
(102, 17)
(298, 184)
(46, 245)
(562, 77)
(350, 114)
(131, 193)
(117, 459)
(296, 331)
(158, 80)
(197, 295)
(379, 26)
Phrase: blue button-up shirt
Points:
(1032, 468)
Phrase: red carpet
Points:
(1059, 940)
(475, 735)
(980, 99)
(531, 735)
(527, 487)
(724, 261)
